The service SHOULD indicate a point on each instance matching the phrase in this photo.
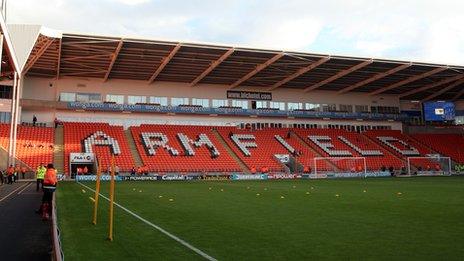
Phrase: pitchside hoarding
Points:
(272, 176)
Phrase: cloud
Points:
(418, 30)
(133, 2)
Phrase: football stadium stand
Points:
(184, 148)
(34, 144)
(402, 145)
(100, 138)
(174, 148)
(445, 144)
(257, 148)
(342, 143)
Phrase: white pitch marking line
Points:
(162, 230)
(12, 192)
(22, 190)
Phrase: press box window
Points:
(277, 105)
(219, 103)
(179, 101)
(136, 99)
(239, 103)
(312, 106)
(88, 97)
(67, 97)
(118, 99)
(163, 101)
(200, 102)
(294, 106)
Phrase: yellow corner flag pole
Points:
(97, 193)
(110, 232)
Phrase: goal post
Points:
(340, 166)
(429, 166)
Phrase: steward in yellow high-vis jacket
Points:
(40, 175)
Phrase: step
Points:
(58, 149)
(231, 152)
(305, 144)
(387, 149)
(133, 148)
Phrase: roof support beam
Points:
(440, 92)
(38, 55)
(58, 62)
(338, 75)
(408, 80)
(87, 57)
(459, 94)
(258, 68)
(432, 85)
(212, 66)
(165, 62)
(82, 73)
(113, 59)
(374, 78)
(299, 72)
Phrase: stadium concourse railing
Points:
(57, 252)
(154, 108)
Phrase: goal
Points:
(429, 166)
(340, 166)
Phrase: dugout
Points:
(82, 160)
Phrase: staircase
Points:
(231, 152)
(302, 142)
(133, 148)
(387, 149)
(58, 149)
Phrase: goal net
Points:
(340, 166)
(429, 166)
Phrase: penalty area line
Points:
(160, 229)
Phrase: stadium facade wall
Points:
(49, 90)
(5, 105)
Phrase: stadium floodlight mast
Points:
(350, 162)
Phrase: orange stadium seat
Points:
(267, 146)
(402, 145)
(172, 157)
(344, 144)
(447, 144)
(35, 145)
(76, 133)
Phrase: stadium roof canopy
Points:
(79, 55)
(9, 64)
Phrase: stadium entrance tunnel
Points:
(79, 169)
(82, 164)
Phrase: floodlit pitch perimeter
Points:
(383, 218)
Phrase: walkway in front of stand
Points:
(23, 234)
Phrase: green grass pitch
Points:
(356, 219)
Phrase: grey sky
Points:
(417, 30)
